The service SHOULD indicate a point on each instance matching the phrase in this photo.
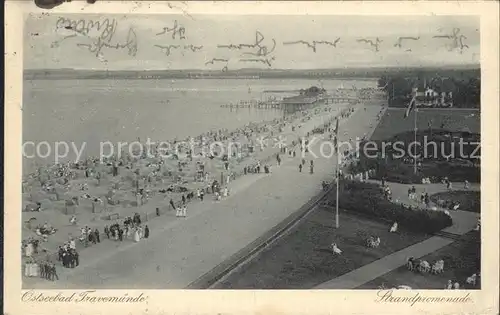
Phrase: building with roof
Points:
(297, 103)
(433, 97)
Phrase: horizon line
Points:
(471, 65)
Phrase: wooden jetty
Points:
(293, 103)
(254, 104)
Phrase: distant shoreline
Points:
(343, 73)
(199, 78)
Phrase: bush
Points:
(401, 171)
(367, 199)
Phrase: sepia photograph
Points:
(252, 156)
(191, 147)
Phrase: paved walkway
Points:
(463, 222)
(179, 251)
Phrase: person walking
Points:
(71, 258)
(53, 272)
(48, 271)
(76, 257)
(65, 259)
(92, 237)
(300, 168)
(146, 231)
(97, 235)
(60, 253)
(106, 231)
(43, 270)
(137, 236)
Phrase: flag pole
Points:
(415, 140)
(337, 199)
(338, 182)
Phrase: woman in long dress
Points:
(136, 235)
(35, 269)
(29, 250)
(72, 244)
(27, 267)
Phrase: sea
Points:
(97, 111)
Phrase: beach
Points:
(94, 194)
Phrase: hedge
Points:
(368, 199)
(396, 170)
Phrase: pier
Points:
(292, 104)
(301, 102)
(331, 99)
(255, 105)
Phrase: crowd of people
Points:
(130, 228)
(42, 269)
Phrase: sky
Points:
(47, 45)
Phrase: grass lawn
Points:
(393, 123)
(468, 200)
(303, 258)
(461, 260)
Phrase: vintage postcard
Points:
(260, 158)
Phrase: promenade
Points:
(180, 250)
